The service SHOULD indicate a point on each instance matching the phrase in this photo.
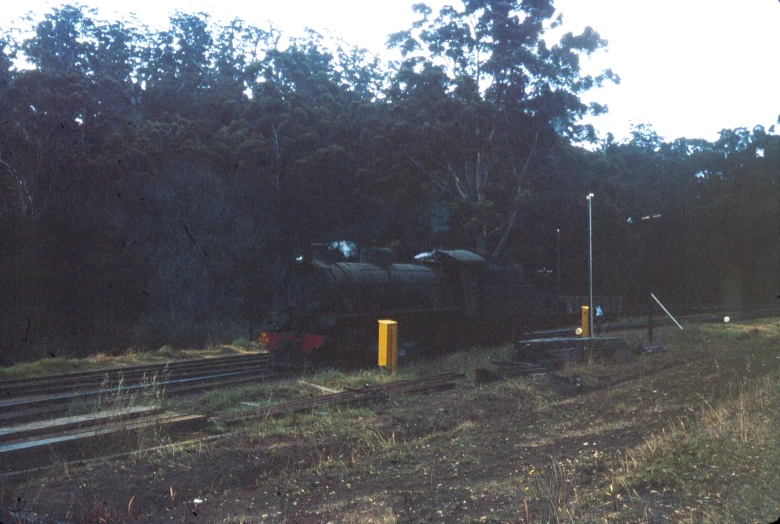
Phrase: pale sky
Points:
(688, 67)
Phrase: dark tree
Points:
(483, 85)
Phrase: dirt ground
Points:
(536, 448)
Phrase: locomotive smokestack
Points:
(319, 253)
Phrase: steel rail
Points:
(112, 456)
(24, 456)
(434, 382)
(131, 387)
(113, 380)
(642, 324)
(18, 409)
(100, 374)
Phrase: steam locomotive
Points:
(440, 299)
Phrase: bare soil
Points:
(535, 448)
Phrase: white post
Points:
(558, 269)
(590, 261)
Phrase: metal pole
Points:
(558, 269)
(670, 315)
(590, 261)
(651, 274)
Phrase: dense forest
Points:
(156, 183)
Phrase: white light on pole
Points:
(590, 262)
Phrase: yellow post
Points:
(388, 344)
(585, 321)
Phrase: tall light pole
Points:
(558, 268)
(651, 277)
(590, 262)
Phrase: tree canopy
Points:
(155, 183)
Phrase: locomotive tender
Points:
(332, 307)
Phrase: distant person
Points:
(599, 319)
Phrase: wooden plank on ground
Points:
(43, 427)
(93, 442)
(321, 388)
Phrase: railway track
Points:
(107, 378)
(26, 400)
(36, 430)
(38, 426)
(735, 316)
(352, 396)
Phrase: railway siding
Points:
(353, 396)
(56, 439)
(34, 429)
(97, 435)
(38, 427)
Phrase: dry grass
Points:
(721, 464)
(48, 366)
(557, 489)
(150, 391)
(465, 362)
(131, 357)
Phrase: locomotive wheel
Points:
(446, 336)
(290, 355)
(349, 345)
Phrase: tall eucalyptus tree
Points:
(485, 83)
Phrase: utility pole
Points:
(590, 261)
(651, 274)
(558, 269)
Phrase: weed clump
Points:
(730, 448)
